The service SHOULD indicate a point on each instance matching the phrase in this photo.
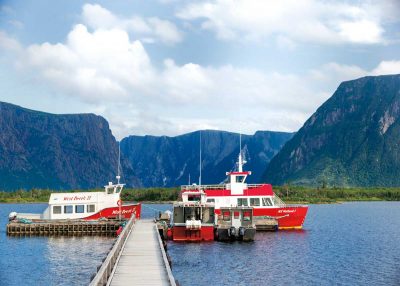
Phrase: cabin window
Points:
(194, 198)
(56, 209)
(266, 202)
(255, 202)
(242, 202)
(239, 179)
(110, 191)
(118, 190)
(236, 215)
(210, 200)
(246, 216)
(79, 209)
(68, 209)
(90, 208)
(227, 216)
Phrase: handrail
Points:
(215, 187)
(164, 255)
(278, 201)
(107, 267)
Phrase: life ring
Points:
(119, 203)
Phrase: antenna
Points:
(119, 162)
(189, 178)
(200, 161)
(241, 161)
(240, 142)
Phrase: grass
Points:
(290, 194)
(138, 195)
(333, 195)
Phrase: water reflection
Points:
(344, 244)
(52, 260)
(74, 258)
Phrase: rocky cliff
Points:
(42, 150)
(351, 140)
(169, 161)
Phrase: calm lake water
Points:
(51, 260)
(343, 244)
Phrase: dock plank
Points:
(141, 261)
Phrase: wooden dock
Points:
(138, 258)
(68, 228)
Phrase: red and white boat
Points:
(86, 206)
(193, 218)
(265, 203)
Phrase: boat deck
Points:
(142, 260)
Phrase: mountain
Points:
(42, 150)
(351, 140)
(168, 161)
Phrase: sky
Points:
(167, 67)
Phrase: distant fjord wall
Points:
(162, 161)
(42, 150)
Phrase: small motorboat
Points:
(235, 223)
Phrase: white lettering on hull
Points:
(286, 211)
(123, 211)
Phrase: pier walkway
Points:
(141, 260)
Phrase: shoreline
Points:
(286, 202)
(289, 194)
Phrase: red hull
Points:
(126, 212)
(180, 233)
(289, 217)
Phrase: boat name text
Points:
(77, 198)
(123, 211)
(286, 211)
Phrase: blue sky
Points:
(168, 67)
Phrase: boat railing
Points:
(251, 186)
(214, 187)
(203, 187)
(107, 268)
(278, 201)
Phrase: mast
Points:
(200, 161)
(119, 163)
(241, 160)
(240, 163)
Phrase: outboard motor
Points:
(12, 216)
(232, 231)
(241, 231)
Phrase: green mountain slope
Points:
(353, 139)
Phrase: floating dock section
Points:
(137, 258)
(68, 228)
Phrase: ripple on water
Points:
(343, 244)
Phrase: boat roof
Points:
(259, 190)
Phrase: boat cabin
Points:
(236, 216)
(82, 204)
(193, 218)
(235, 223)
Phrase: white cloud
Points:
(8, 43)
(363, 31)
(109, 69)
(152, 29)
(300, 21)
(113, 73)
(387, 67)
(94, 66)
(336, 73)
